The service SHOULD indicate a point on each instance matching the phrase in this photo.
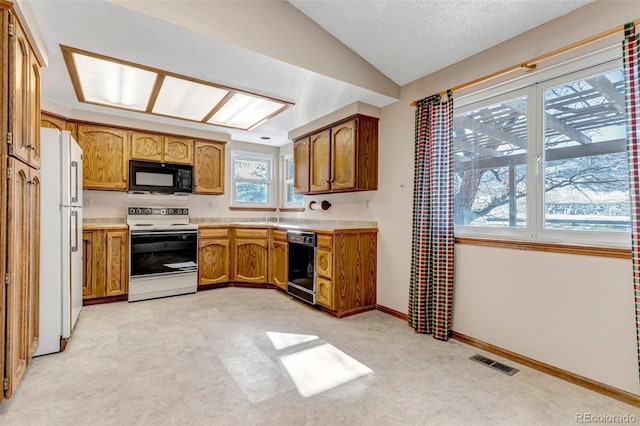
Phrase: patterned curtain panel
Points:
(431, 286)
(631, 56)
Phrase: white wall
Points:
(573, 312)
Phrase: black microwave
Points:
(165, 178)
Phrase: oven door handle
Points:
(151, 233)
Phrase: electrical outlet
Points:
(88, 202)
(210, 205)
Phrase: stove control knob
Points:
(132, 210)
(170, 211)
(163, 211)
(148, 211)
(138, 211)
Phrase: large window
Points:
(252, 179)
(547, 160)
(289, 199)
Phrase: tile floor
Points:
(238, 356)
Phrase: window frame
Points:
(285, 182)
(534, 86)
(254, 156)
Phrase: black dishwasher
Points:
(301, 273)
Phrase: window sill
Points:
(600, 251)
(253, 209)
(291, 209)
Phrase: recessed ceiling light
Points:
(106, 81)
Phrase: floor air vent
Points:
(494, 364)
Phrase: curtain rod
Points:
(531, 64)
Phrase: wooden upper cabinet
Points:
(208, 168)
(157, 147)
(20, 146)
(146, 146)
(320, 163)
(52, 121)
(178, 150)
(343, 156)
(343, 150)
(34, 111)
(105, 158)
(301, 163)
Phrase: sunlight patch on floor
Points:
(321, 368)
(287, 340)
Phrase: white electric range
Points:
(163, 252)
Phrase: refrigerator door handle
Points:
(74, 231)
(74, 184)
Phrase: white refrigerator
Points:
(60, 238)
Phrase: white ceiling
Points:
(270, 48)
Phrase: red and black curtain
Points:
(631, 60)
(431, 280)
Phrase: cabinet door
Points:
(320, 147)
(178, 150)
(325, 293)
(278, 267)
(324, 263)
(105, 162)
(146, 146)
(301, 166)
(87, 265)
(343, 161)
(18, 310)
(116, 263)
(34, 261)
(34, 110)
(208, 168)
(213, 262)
(250, 261)
(20, 146)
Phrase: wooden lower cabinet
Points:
(346, 271)
(105, 262)
(250, 254)
(278, 259)
(213, 256)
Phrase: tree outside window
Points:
(549, 158)
(252, 180)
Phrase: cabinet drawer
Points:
(252, 233)
(325, 241)
(324, 263)
(279, 235)
(214, 233)
(324, 292)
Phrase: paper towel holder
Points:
(324, 205)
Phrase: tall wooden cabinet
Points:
(301, 165)
(19, 200)
(343, 157)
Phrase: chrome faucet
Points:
(266, 216)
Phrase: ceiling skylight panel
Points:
(245, 111)
(187, 99)
(111, 83)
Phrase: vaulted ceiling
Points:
(319, 55)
